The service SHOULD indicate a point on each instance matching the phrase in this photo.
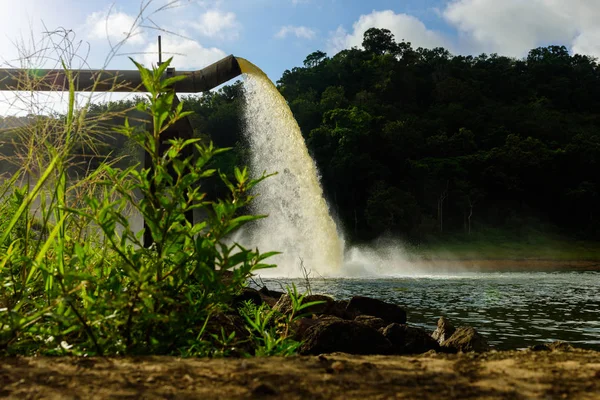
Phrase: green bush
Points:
(69, 292)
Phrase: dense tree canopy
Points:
(420, 143)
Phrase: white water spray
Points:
(299, 223)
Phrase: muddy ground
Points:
(494, 375)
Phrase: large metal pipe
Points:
(116, 81)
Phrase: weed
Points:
(123, 297)
(270, 330)
(269, 336)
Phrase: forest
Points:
(418, 143)
(421, 144)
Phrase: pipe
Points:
(116, 81)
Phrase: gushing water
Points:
(299, 223)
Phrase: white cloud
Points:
(513, 27)
(298, 31)
(507, 27)
(587, 42)
(403, 26)
(189, 53)
(510, 27)
(218, 24)
(23, 25)
(115, 26)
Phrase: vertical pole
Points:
(159, 50)
(181, 129)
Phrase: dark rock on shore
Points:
(554, 346)
(390, 313)
(364, 325)
(466, 339)
(248, 294)
(270, 297)
(444, 330)
(339, 309)
(264, 390)
(229, 323)
(373, 322)
(351, 337)
(301, 325)
(409, 340)
(270, 293)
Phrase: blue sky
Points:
(278, 34)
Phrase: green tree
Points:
(379, 41)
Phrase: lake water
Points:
(513, 310)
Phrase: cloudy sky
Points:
(278, 34)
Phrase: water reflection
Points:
(513, 310)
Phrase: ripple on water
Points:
(514, 310)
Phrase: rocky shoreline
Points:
(364, 325)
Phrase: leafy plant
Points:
(267, 334)
(108, 293)
(270, 330)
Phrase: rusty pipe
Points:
(116, 81)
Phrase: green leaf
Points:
(167, 83)
(162, 68)
(146, 76)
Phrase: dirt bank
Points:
(494, 375)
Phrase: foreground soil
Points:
(494, 375)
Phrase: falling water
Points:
(299, 223)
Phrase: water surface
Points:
(513, 310)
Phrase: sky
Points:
(278, 34)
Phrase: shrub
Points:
(66, 292)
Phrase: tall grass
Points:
(75, 277)
(61, 292)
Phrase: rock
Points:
(560, 346)
(336, 367)
(338, 309)
(409, 340)
(351, 337)
(301, 325)
(554, 346)
(390, 313)
(268, 300)
(539, 347)
(373, 322)
(264, 389)
(248, 294)
(270, 297)
(284, 305)
(270, 293)
(230, 323)
(466, 339)
(444, 330)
